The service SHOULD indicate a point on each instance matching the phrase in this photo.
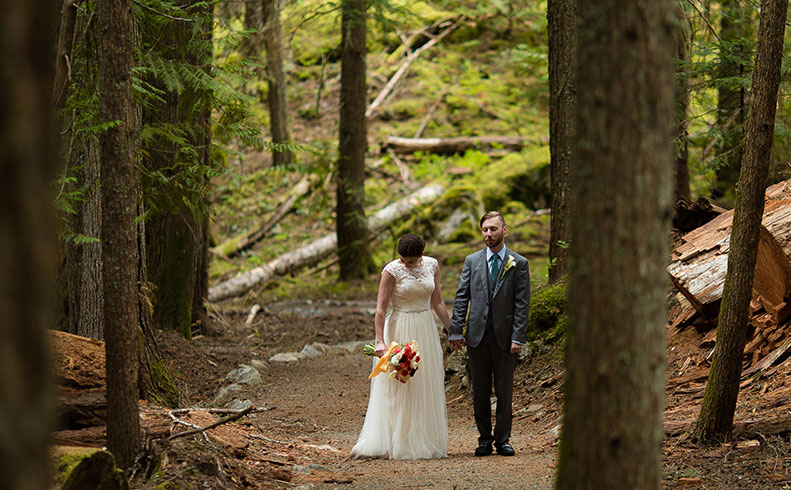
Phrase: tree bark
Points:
(27, 242)
(562, 33)
(80, 275)
(680, 141)
(318, 249)
(174, 238)
(89, 283)
(119, 241)
(731, 105)
(276, 80)
(352, 234)
(621, 202)
(254, 22)
(63, 58)
(719, 400)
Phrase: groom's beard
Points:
(493, 242)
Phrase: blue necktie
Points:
(495, 266)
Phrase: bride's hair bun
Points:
(411, 245)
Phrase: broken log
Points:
(699, 265)
(319, 249)
(249, 238)
(450, 146)
(768, 360)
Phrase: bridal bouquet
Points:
(399, 362)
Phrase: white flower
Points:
(508, 264)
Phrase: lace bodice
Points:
(413, 287)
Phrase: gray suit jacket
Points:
(508, 302)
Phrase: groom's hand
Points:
(515, 347)
(456, 344)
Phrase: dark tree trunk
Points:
(353, 253)
(731, 107)
(80, 276)
(562, 27)
(680, 140)
(174, 234)
(719, 400)
(200, 295)
(253, 21)
(119, 238)
(63, 57)
(91, 287)
(278, 102)
(27, 242)
(621, 203)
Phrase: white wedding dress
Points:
(409, 420)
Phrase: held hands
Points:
(457, 344)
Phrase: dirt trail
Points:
(322, 401)
(316, 406)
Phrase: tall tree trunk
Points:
(200, 295)
(353, 253)
(80, 276)
(119, 241)
(174, 234)
(89, 282)
(63, 57)
(278, 102)
(621, 202)
(254, 23)
(27, 242)
(731, 108)
(562, 27)
(719, 400)
(680, 141)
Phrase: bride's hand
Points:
(380, 348)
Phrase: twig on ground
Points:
(211, 426)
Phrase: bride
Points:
(408, 421)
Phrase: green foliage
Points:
(517, 178)
(548, 312)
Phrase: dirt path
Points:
(322, 401)
(316, 406)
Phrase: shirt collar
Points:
(501, 253)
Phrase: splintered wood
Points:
(698, 267)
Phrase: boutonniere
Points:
(508, 264)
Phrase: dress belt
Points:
(405, 310)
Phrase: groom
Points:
(495, 287)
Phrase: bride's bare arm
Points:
(382, 300)
(438, 304)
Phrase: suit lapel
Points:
(485, 268)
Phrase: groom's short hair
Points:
(492, 214)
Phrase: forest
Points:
(199, 199)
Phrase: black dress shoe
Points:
(505, 450)
(483, 450)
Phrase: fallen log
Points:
(246, 240)
(317, 250)
(699, 265)
(411, 57)
(449, 146)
